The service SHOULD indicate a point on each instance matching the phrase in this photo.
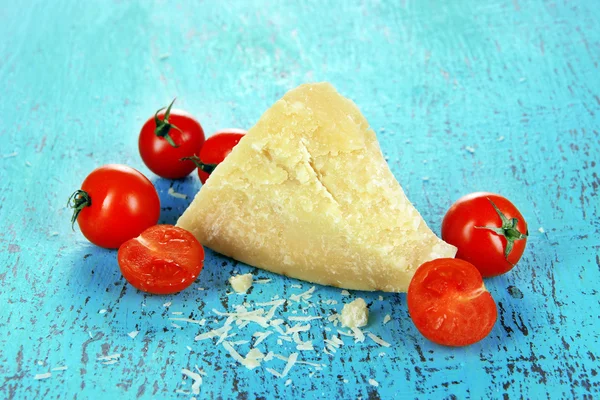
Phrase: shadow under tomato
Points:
(175, 196)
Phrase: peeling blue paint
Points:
(502, 95)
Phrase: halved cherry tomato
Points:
(449, 304)
(488, 230)
(164, 259)
(214, 151)
(115, 203)
(168, 137)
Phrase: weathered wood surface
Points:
(500, 95)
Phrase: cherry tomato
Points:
(214, 151)
(164, 259)
(449, 304)
(115, 203)
(488, 230)
(168, 137)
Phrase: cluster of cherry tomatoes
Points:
(447, 300)
(118, 207)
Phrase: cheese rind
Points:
(307, 194)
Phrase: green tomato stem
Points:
(163, 127)
(208, 168)
(508, 230)
(79, 200)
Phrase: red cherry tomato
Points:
(214, 151)
(115, 203)
(449, 304)
(488, 230)
(168, 137)
(164, 259)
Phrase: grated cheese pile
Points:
(252, 323)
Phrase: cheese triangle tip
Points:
(307, 194)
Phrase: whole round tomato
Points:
(488, 230)
(214, 151)
(168, 137)
(449, 304)
(164, 259)
(115, 203)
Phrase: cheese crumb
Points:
(387, 319)
(378, 340)
(272, 371)
(303, 319)
(42, 376)
(288, 382)
(241, 283)
(303, 296)
(193, 321)
(196, 377)
(173, 193)
(373, 382)
(355, 314)
(470, 149)
(109, 357)
(260, 336)
(359, 336)
(290, 363)
(541, 230)
(252, 359)
(345, 293)
(308, 346)
(133, 334)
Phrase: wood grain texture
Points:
(515, 81)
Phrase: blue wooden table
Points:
(499, 95)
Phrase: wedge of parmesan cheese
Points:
(355, 314)
(307, 194)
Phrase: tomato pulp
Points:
(449, 304)
(164, 259)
